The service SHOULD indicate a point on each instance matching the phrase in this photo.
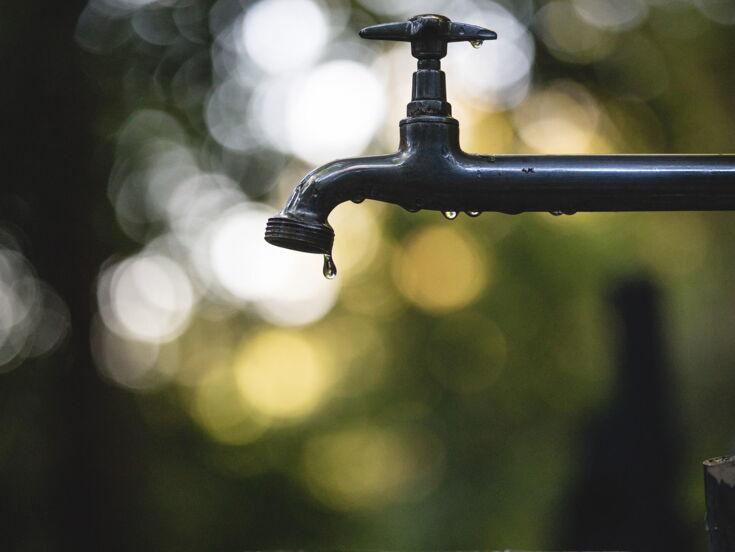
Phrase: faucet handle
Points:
(428, 34)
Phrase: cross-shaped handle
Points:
(428, 34)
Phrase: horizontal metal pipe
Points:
(446, 178)
(596, 183)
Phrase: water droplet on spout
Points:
(556, 213)
(473, 213)
(451, 215)
(476, 43)
(329, 269)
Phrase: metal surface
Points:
(719, 485)
(430, 170)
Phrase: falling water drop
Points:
(329, 269)
(476, 43)
(451, 215)
(473, 213)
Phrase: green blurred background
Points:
(170, 382)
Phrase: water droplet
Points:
(329, 269)
(556, 213)
(476, 43)
(473, 213)
(451, 215)
(358, 199)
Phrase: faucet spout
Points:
(302, 225)
(426, 160)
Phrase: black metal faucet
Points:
(430, 170)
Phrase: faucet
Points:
(430, 170)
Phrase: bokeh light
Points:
(147, 298)
(569, 36)
(127, 362)
(496, 76)
(283, 375)
(221, 411)
(336, 112)
(405, 8)
(364, 467)
(562, 119)
(616, 15)
(331, 112)
(283, 35)
(33, 319)
(227, 115)
(440, 268)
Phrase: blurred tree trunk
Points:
(625, 496)
(50, 192)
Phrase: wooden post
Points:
(719, 487)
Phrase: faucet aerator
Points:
(299, 236)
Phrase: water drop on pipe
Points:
(329, 269)
(473, 213)
(556, 213)
(476, 43)
(451, 215)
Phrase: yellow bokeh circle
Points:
(282, 374)
(440, 268)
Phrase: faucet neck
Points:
(429, 92)
(429, 135)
